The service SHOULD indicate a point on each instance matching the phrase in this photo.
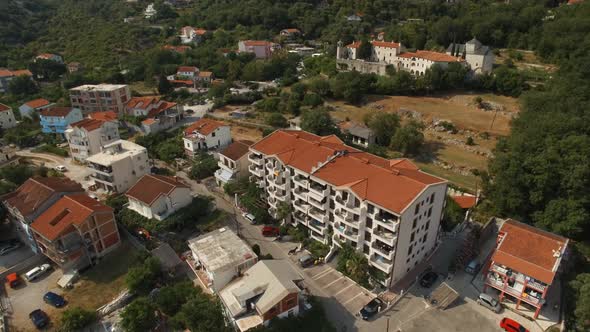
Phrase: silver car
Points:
(489, 302)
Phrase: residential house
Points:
(160, 114)
(219, 257)
(87, 136)
(7, 119)
(206, 77)
(76, 232)
(262, 49)
(8, 75)
(31, 199)
(418, 62)
(100, 98)
(357, 17)
(158, 196)
(104, 116)
(359, 134)
(388, 210)
(8, 156)
(190, 35)
(150, 11)
(525, 264)
(118, 166)
(50, 57)
(233, 162)
(187, 72)
(206, 134)
(30, 107)
(479, 57)
(55, 120)
(74, 67)
(270, 289)
(290, 33)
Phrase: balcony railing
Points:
(318, 215)
(383, 250)
(256, 159)
(317, 226)
(387, 237)
(100, 168)
(381, 263)
(258, 171)
(519, 294)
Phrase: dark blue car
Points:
(39, 318)
(54, 299)
(371, 309)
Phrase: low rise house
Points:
(233, 163)
(220, 256)
(8, 156)
(270, 289)
(357, 17)
(206, 134)
(109, 116)
(76, 231)
(359, 134)
(479, 57)
(56, 120)
(158, 196)
(87, 136)
(187, 72)
(206, 77)
(418, 62)
(50, 57)
(30, 107)
(190, 35)
(7, 119)
(524, 264)
(31, 199)
(160, 114)
(150, 11)
(74, 67)
(262, 49)
(290, 33)
(8, 75)
(118, 166)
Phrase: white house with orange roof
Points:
(158, 196)
(30, 107)
(262, 49)
(7, 75)
(388, 210)
(86, 137)
(50, 57)
(160, 114)
(190, 35)
(206, 134)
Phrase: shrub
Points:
(76, 318)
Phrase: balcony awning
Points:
(224, 175)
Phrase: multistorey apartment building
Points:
(100, 98)
(387, 209)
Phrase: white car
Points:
(37, 271)
(250, 218)
(60, 168)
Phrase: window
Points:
(412, 237)
(417, 209)
(430, 211)
(414, 224)
(370, 208)
(425, 237)
(427, 224)
(213, 134)
(369, 223)
(410, 250)
(432, 198)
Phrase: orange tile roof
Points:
(5, 73)
(205, 74)
(151, 186)
(37, 103)
(377, 43)
(200, 32)
(187, 69)
(355, 44)
(34, 192)
(204, 126)
(149, 121)
(292, 30)
(70, 210)
(45, 56)
(22, 72)
(430, 55)
(529, 250)
(56, 111)
(104, 116)
(465, 202)
(183, 82)
(142, 102)
(236, 150)
(179, 49)
(256, 43)
(162, 106)
(4, 107)
(392, 184)
(88, 124)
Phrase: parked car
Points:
(54, 299)
(39, 318)
(306, 260)
(37, 271)
(60, 168)
(472, 267)
(428, 279)
(489, 302)
(510, 325)
(250, 217)
(270, 231)
(371, 308)
(12, 246)
(13, 280)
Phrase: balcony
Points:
(518, 291)
(255, 159)
(301, 206)
(258, 171)
(348, 204)
(318, 215)
(317, 204)
(100, 168)
(383, 250)
(382, 263)
(300, 193)
(103, 178)
(385, 236)
(300, 217)
(519, 277)
(318, 191)
(346, 217)
(317, 226)
(302, 181)
(387, 220)
(317, 237)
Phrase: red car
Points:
(270, 231)
(511, 326)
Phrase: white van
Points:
(37, 271)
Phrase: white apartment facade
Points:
(387, 209)
(206, 134)
(100, 98)
(86, 137)
(7, 119)
(233, 163)
(118, 166)
(158, 196)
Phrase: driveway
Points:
(74, 171)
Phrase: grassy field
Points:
(143, 89)
(468, 182)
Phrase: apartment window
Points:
(425, 237)
(332, 205)
(414, 223)
(213, 134)
(432, 198)
(412, 237)
(429, 211)
(355, 217)
(417, 209)
(408, 260)
(366, 247)
(370, 208)
(369, 223)
(410, 249)
(427, 224)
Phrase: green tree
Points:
(312, 100)
(142, 279)
(171, 298)
(276, 120)
(364, 50)
(320, 86)
(139, 315)
(284, 210)
(581, 287)
(384, 126)
(453, 214)
(22, 85)
(164, 86)
(76, 319)
(200, 314)
(47, 69)
(204, 166)
(318, 121)
(409, 139)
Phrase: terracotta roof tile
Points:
(38, 103)
(4, 107)
(204, 126)
(529, 250)
(429, 55)
(257, 43)
(291, 30)
(200, 32)
(88, 124)
(56, 111)
(22, 72)
(236, 150)
(149, 121)
(465, 202)
(151, 186)
(31, 195)
(142, 102)
(68, 211)
(104, 116)
(187, 69)
(390, 184)
(355, 44)
(205, 74)
(377, 43)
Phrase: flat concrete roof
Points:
(99, 87)
(115, 151)
(220, 250)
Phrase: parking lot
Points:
(29, 296)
